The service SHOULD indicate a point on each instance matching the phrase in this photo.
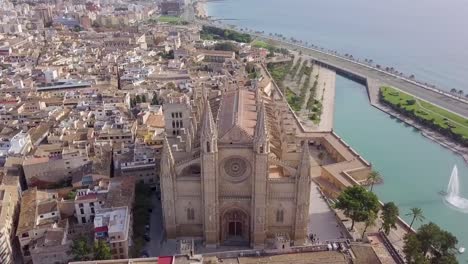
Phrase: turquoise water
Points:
(414, 168)
(428, 38)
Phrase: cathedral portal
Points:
(235, 228)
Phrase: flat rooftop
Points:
(115, 219)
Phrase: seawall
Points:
(373, 88)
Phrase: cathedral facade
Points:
(233, 172)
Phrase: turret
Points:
(261, 137)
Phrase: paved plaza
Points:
(322, 220)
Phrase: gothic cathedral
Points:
(233, 171)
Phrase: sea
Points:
(427, 38)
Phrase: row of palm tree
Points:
(416, 213)
(457, 92)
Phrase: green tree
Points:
(357, 203)
(431, 236)
(226, 46)
(80, 249)
(417, 214)
(102, 250)
(154, 100)
(412, 250)
(389, 217)
(373, 178)
(370, 221)
(137, 99)
(321, 155)
(143, 98)
(170, 86)
(141, 216)
(430, 244)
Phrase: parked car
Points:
(147, 238)
(144, 254)
(147, 227)
(335, 246)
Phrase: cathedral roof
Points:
(238, 108)
(261, 128)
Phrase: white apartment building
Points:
(114, 226)
(88, 201)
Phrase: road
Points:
(437, 97)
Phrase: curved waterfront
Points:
(415, 169)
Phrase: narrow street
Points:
(156, 246)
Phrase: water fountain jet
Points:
(453, 193)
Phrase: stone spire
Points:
(261, 136)
(167, 159)
(306, 160)
(209, 132)
(208, 125)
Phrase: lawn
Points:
(261, 44)
(426, 111)
(169, 19)
(270, 47)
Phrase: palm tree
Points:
(370, 221)
(372, 178)
(417, 214)
(321, 156)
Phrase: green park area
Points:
(300, 93)
(426, 113)
(270, 47)
(262, 44)
(169, 19)
(173, 20)
(214, 33)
